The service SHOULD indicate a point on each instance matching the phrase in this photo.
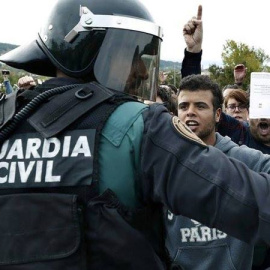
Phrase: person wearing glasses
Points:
(236, 104)
(255, 133)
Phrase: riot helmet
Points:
(114, 42)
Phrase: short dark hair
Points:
(230, 86)
(173, 88)
(203, 82)
(165, 93)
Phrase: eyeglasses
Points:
(233, 107)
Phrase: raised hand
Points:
(26, 82)
(239, 72)
(162, 77)
(193, 32)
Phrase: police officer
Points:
(86, 166)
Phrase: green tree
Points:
(222, 75)
(238, 53)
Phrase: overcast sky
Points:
(240, 20)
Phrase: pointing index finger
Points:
(199, 14)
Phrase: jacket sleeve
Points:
(254, 159)
(202, 183)
(191, 63)
(233, 128)
(8, 87)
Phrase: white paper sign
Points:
(259, 95)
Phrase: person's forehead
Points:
(198, 95)
(232, 100)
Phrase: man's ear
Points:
(218, 114)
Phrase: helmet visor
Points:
(128, 61)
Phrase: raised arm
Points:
(193, 36)
(193, 33)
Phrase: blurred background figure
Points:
(239, 73)
(162, 77)
(6, 82)
(167, 94)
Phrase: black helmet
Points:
(112, 41)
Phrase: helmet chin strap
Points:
(90, 21)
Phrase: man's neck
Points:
(210, 140)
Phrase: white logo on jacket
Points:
(198, 232)
(36, 156)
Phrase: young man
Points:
(86, 169)
(256, 136)
(191, 244)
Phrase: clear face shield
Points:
(128, 61)
(128, 57)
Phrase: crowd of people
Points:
(95, 178)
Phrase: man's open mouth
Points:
(192, 124)
(264, 128)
